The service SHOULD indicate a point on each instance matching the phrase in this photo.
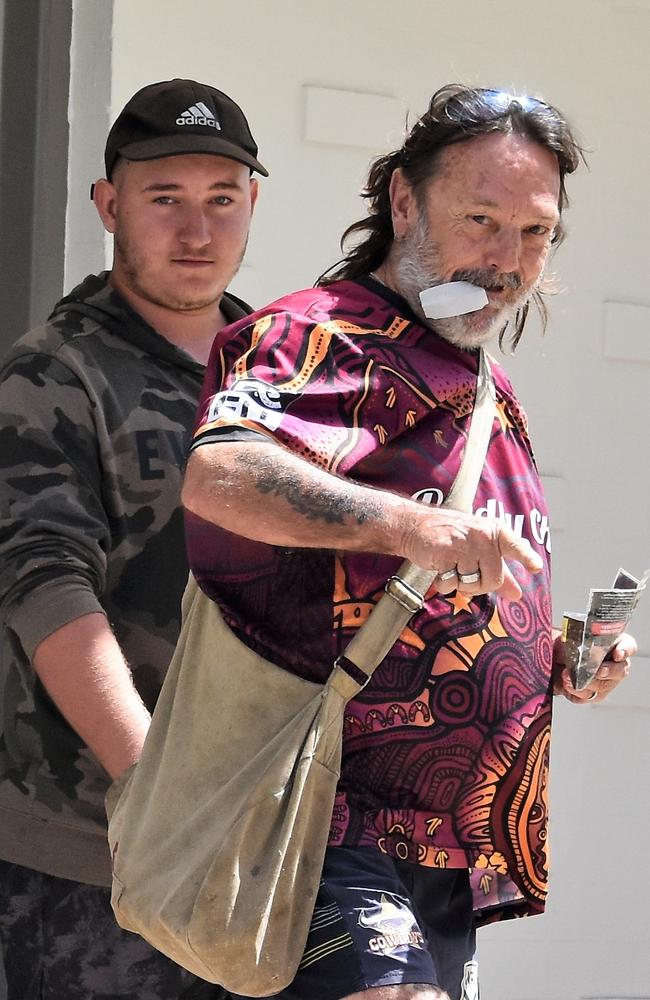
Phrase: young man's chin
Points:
(180, 300)
(192, 305)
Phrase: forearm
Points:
(83, 670)
(265, 492)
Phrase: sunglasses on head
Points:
(502, 100)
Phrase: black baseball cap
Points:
(176, 117)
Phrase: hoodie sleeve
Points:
(54, 530)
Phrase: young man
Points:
(325, 418)
(97, 408)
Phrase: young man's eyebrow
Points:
(161, 186)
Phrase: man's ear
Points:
(255, 190)
(105, 198)
(402, 204)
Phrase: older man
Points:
(343, 407)
(97, 407)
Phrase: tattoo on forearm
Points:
(315, 502)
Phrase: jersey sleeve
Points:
(286, 378)
(53, 528)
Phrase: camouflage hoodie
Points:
(96, 410)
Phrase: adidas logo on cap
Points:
(180, 118)
(198, 114)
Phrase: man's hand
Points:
(614, 668)
(469, 552)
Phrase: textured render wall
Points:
(89, 118)
(589, 413)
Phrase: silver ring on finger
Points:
(470, 577)
(449, 574)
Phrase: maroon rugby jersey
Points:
(445, 752)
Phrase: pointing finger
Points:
(509, 589)
(512, 547)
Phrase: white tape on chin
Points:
(454, 298)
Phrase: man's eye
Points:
(164, 199)
(481, 220)
(538, 230)
(222, 199)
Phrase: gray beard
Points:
(415, 263)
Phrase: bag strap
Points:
(406, 590)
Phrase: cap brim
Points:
(179, 145)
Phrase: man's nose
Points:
(504, 251)
(195, 228)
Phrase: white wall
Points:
(589, 415)
(89, 117)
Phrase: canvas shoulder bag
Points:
(218, 833)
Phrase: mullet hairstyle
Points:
(455, 114)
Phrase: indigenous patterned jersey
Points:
(96, 414)
(446, 750)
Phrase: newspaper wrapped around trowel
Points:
(590, 635)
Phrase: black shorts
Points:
(383, 922)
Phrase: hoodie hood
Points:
(95, 298)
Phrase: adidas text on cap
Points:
(177, 117)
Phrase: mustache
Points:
(489, 278)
